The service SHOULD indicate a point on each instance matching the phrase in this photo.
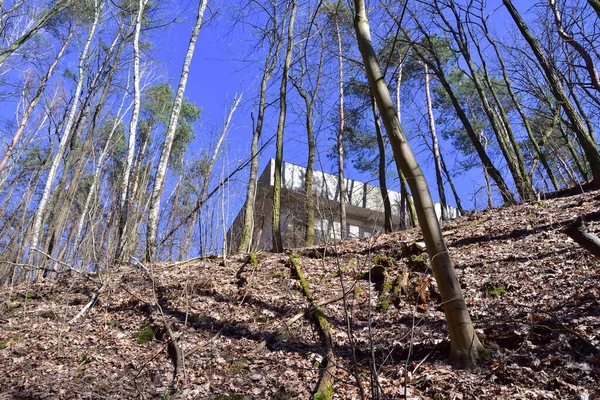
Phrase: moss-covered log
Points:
(325, 387)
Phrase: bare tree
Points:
(465, 345)
(159, 180)
(41, 208)
(276, 225)
(125, 200)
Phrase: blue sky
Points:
(223, 65)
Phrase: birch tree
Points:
(159, 180)
(83, 63)
(41, 22)
(125, 201)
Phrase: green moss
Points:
(145, 335)
(323, 324)
(340, 271)
(493, 289)
(383, 261)
(417, 259)
(326, 395)
(84, 360)
(238, 366)
(3, 344)
(384, 296)
(383, 306)
(484, 354)
(251, 259)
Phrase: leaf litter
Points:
(532, 292)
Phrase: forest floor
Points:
(532, 292)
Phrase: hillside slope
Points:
(533, 295)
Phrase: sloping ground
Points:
(533, 295)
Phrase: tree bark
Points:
(125, 201)
(387, 206)
(465, 345)
(341, 128)
(579, 233)
(461, 210)
(570, 40)
(248, 228)
(517, 104)
(596, 6)
(276, 221)
(310, 97)
(523, 187)
(435, 65)
(161, 172)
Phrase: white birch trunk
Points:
(41, 209)
(125, 193)
(159, 181)
(435, 147)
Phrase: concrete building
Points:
(364, 209)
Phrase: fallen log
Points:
(586, 239)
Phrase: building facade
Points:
(364, 209)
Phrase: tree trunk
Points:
(588, 146)
(524, 189)
(340, 135)
(34, 102)
(248, 228)
(276, 221)
(161, 172)
(406, 204)
(434, 63)
(125, 201)
(524, 185)
(596, 6)
(41, 208)
(461, 210)
(465, 345)
(309, 101)
(387, 206)
(435, 148)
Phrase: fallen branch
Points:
(325, 387)
(290, 321)
(91, 303)
(173, 348)
(579, 233)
